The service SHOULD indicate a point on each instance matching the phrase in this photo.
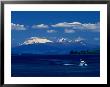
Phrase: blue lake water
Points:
(54, 66)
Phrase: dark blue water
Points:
(55, 66)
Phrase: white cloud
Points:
(41, 26)
(75, 23)
(69, 31)
(51, 31)
(17, 27)
(91, 26)
(64, 24)
(78, 25)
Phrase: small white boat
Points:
(82, 63)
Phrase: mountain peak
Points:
(79, 39)
(63, 40)
(34, 40)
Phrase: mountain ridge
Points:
(53, 48)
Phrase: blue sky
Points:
(54, 25)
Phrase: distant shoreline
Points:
(52, 54)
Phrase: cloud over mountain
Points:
(51, 31)
(69, 27)
(40, 26)
(66, 24)
(78, 25)
(17, 27)
(69, 31)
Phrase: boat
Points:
(83, 63)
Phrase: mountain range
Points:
(37, 45)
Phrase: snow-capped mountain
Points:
(34, 40)
(36, 45)
(78, 40)
(63, 40)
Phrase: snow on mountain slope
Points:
(36, 45)
(34, 40)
